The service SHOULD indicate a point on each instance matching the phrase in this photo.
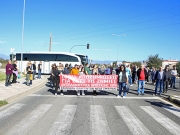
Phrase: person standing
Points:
(34, 69)
(74, 70)
(128, 70)
(87, 69)
(123, 81)
(82, 72)
(28, 74)
(166, 79)
(56, 75)
(153, 75)
(15, 72)
(61, 71)
(108, 70)
(95, 70)
(9, 69)
(159, 81)
(39, 69)
(173, 77)
(141, 74)
(134, 73)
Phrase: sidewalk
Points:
(20, 89)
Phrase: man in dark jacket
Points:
(159, 80)
(34, 69)
(9, 69)
(141, 74)
(166, 79)
(134, 73)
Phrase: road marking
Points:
(134, 124)
(30, 120)
(87, 96)
(170, 125)
(62, 126)
(11, 110)
(99, 125)
(172, 110)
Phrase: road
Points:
(42, 113)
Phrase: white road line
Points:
(87, 96)
(170, 125)
(10, 110)
(30, 120)
(134, 124)
(99, 125)
(62, 126)
(172, 110)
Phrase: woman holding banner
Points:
(123, 81)
(82, 72)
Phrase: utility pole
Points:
(50, 43)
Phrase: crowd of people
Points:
(127, 76)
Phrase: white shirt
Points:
(174, 72)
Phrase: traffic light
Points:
(88, 46)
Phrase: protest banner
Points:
(88, 82)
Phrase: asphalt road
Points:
(43, 113)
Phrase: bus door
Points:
(46, 67)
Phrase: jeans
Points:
(165, 86)
(34, 73)
(160, 84)
(8, 77)
(39, 73)
(121, 85)
(141, 84)
(27, 79)
(130, 79)
(173, 81)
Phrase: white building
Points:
(171, 63)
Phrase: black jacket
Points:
(166, 76)
(139, 71)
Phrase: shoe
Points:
(118, 96)
(95, 94)
(78, 94)
(142, 94)
(55, 94)
(131, 85)
(62, 94)
(138, 94)
(83, 94)
(124, 97)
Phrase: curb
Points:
(175, 99)
(30, 90)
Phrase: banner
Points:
(88, 82)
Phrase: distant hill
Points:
(101, 62)
(3, 56)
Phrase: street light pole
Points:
(118, 44)
(22, 34)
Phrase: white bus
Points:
(84, 58)
(47, 59)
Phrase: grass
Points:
(2, 102)
(2, 76)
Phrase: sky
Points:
(129, 30)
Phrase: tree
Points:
(154, 61)
(178, 67)
(137, 63)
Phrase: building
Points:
(171, 63)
